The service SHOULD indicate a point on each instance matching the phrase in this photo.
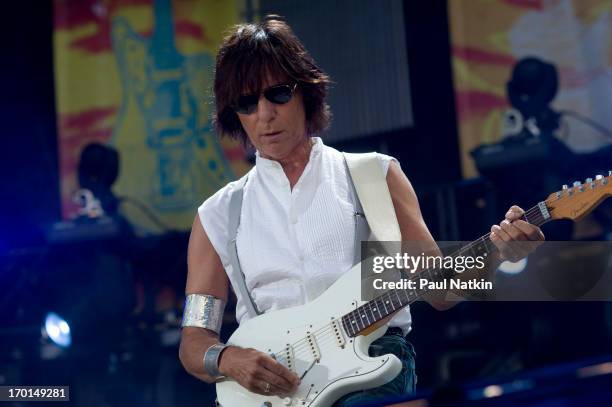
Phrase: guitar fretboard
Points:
(386, 304)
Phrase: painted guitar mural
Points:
(164, 122)
(326, 341)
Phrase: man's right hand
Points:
(257, 372)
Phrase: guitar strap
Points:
(373, 212)
(233, 269)
(374, 195)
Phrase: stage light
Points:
(58, 330)
(493, 391)
(509, 267)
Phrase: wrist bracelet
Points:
(211, 360)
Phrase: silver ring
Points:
(267, 388)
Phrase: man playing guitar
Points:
(297, 220)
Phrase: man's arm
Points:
(411, 223)
(505, 235)
(205, 276)
(254, 370)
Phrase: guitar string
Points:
(299, 345)
(482, 240)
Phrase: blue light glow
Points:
(58, 330)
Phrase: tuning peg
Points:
(577, 183)
(590, 182)
(564, 187)
(609, 173)
(598, 177)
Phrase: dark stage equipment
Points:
(98, 170)
(532, 87)
(530, 158)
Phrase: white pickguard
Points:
(340, 370)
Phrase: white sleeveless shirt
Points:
(292, 244)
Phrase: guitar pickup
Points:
(312, 344)
(287, 355)
(340, 340)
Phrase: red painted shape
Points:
(96, 43)
(85, 119)
(530, 4)
(70, 14)
(484, 57)
(184, 28)
(77, 139)
(471, 102)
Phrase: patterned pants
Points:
(405, 383)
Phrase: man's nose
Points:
(266, 110)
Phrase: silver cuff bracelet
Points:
(211, 360)
(203, 311)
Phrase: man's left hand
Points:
(514, 237)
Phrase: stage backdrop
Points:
(490, 36)
(137, 75)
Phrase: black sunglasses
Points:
(279, 94)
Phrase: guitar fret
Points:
(344, 325)
(359, 320)
(347, 327)
(377, 308)
(385, 305)
(368, 306)
(353, 323)
(472, 251)
(526, 219)
(362, 315)
(398, 298)
(407, 294)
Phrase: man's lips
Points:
(272, 134)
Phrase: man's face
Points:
(276, 130)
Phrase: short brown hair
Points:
(248, 55)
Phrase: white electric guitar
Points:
(326, 341)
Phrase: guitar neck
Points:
(386, 304)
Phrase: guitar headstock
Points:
(576, 201)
